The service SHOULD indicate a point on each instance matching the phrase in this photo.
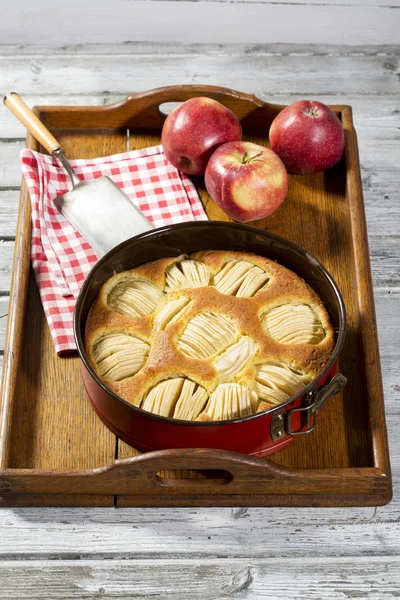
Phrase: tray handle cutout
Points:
(196, 478)
(160, 102)
(207, 470)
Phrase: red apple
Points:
(194, 130)
(246, 180)
(308, 137)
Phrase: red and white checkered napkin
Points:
(61, 258)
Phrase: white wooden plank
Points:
(156, 49)
(258, 579)
(210, 22)
(10, 169)
(360, 3)
(151, 48)
(3, 321)
(384, 254)
(391, 389)
(387, 305)
(253, 70)
(6, 259)
(378, 148)
(9, 200)
(381, 201)
(198, 533)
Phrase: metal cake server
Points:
(98, 209)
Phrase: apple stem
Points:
(310, 112)
(247, 159)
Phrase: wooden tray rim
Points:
(351, 485)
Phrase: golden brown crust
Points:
(264, 406)
(169, 324)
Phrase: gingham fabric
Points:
(61, 258)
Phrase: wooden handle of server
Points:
(24, 114)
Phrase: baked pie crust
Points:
(212, 336)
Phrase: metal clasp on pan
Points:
(281, 424)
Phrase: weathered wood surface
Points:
(241, 67)
(222, 21)
(209, 579)
(218, 553)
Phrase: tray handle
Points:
(236, 101)
(222, 470)
(145, 110)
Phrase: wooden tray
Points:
(54, 450)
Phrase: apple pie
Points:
(211, 336)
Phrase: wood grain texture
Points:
(6, 258)
(243, 22)
(356, 534)
(395, 3)
(164, 48)
(261, 579)
(253, 68)
(9, 200)
(193, 533)
(3, 320)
